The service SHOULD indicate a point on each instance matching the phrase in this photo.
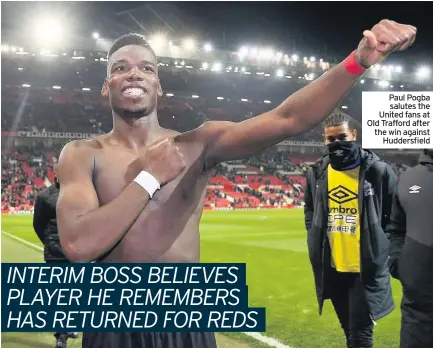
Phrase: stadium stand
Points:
(251, 183)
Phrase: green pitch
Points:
(279, 277)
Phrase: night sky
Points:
(328, 29)
(333, 27)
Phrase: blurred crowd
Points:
(278, 179)
(24, 174)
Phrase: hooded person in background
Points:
(348, 201)
(45, 226)
(411, 251)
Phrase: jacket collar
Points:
(368, 158)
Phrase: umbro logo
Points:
(339, 153)
(341, 195)
(414, 189)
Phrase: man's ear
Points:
(104, 90)
(354, 133)
(159, 89)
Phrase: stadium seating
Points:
(25, 174)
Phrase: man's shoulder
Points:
(169, 133)
(44, 193)
(381, 167)
(83, 147)
(215, 127)
(412, 172)
(321, 164)
(370, 160)
(79, 153)
(92, 143)
(207, 132)
(316, 170)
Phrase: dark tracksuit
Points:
(411, 252)
(45, 226)
(357, 298)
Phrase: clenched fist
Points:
(383, 39)
(163, 160)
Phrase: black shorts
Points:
(149, 340)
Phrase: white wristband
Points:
(148, 182)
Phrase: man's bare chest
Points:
(115, 169)
(169, 223)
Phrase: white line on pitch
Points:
(272, 342)
(259, 337)
(22, 241)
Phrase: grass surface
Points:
(279, 277)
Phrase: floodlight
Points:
(48, 31)
(189, 44)
(423, 72)
(208, 47)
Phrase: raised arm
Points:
(309, 106)
(87, 231)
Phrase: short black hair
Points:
(336, 120)
(130, 39)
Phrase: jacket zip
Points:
(323, 247)
(323, 270)
(361, 220)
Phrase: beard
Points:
(135, 113)
(130, 110)
(132, 113)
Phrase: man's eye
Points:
(148, 68)
(121, 68)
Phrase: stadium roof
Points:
(206, 25)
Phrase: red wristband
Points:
(352, 65)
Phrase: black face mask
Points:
(343, 154)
